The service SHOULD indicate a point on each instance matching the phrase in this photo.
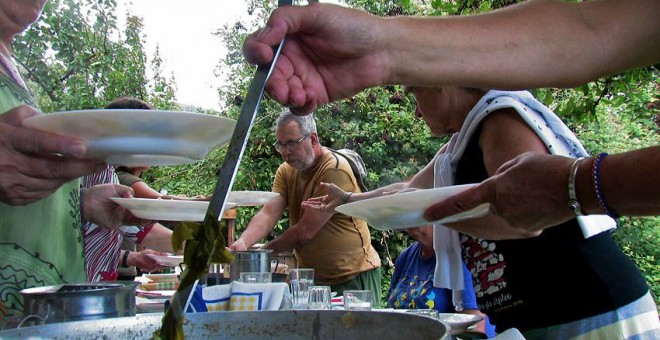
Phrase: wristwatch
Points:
(124, 259)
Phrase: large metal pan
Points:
(288, 325)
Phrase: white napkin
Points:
(554, 134)
(259, 296)
(217, 298)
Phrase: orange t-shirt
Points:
(342, 248)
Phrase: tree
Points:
(75, 57)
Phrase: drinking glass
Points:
(358, 299)
(319, 297)
(301, 280)
(256, 277)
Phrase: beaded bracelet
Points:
(597, 187)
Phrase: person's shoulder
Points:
(331, 160)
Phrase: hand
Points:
(144, 262)
(529, 192)
(238, 245)
(98, 208)
(328, 202)
(33, 164)
(330, 53)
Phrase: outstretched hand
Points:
(326, 203)
(33, 164)
(529, 192)
(330, 53)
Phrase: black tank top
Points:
(551, 279)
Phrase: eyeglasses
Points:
(279, 146)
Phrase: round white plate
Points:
(169, 260)
(459, 322)
(405, 210)
(250, 198)
(167, 210)
(140, 137)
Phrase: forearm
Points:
(629, 183)
(378, 192)
(159, 238)
(258, 228)
(143, 190)
(606, 36)
(287, 241)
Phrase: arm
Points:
(311, 221)
(261, 224)
(143, 190)
(504, 136)
(300, 233)
(141, 260)
(629, 181)
(159, 238)
(335, 196)
(338, 52)
(29, 169)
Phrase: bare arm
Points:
(310, 223)
(159, 238)
(261, 224)
(143, 190)
(335, 197)
(556, 43)
(141, 260)
(629, 183)
(337, 52)
(504, 136)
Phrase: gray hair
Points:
(306, 123)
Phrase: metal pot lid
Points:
(71, 288)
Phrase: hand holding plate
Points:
(33, 164)
(98, 206)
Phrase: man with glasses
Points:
(337, 246)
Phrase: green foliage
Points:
(611, 115)
(75, 57)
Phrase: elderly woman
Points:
(40, 209)
(412, 282)
(568, 281)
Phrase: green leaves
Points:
(76, 57)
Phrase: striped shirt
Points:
(102, 245)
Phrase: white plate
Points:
(169, 260)
(405, 210)
(250, 198)
(167, 210)
(140, 137)
(459, 322)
